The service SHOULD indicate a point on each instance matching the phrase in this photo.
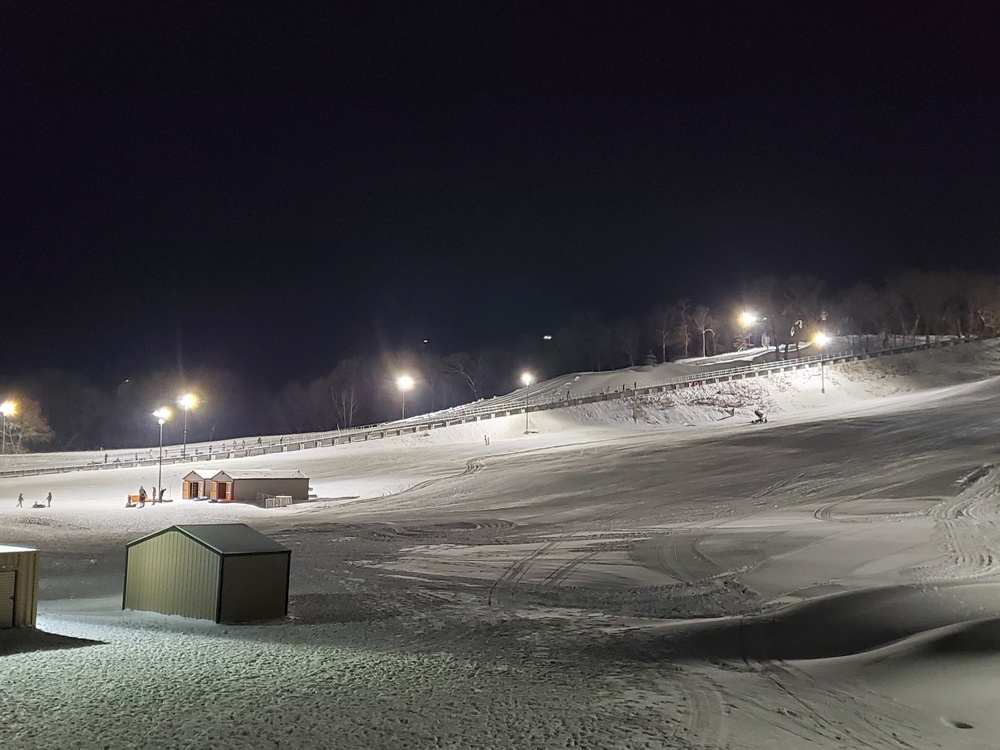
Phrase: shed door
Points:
(7, 578)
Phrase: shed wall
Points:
(254, 587)
(193, 488)
(174, 575)
(8, 579)
(25, 565)
(245, 490)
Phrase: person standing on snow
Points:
(48, 501)
(20, 500)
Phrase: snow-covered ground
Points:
(642, 573)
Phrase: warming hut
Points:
(18, 587)
(195, 483)
(224, 572)
(254, 485)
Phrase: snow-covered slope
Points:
(638, 573)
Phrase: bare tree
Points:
(703, 322)
(345, 403)
(27, 428)
(627, 336)
(663, 322)
(475, 370)
(682, 329)
(345, 386)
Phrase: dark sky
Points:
(271, 188)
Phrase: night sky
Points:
(273, 188)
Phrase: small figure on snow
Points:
(48, 501)
(142, 496)
(760, 416)
(20, 500)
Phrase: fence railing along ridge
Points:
(513, 403)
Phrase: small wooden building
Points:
(18, 587)
(253, 485)
(196, 483)
(223, 572)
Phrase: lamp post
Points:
(404, 383)
(821, 340)
(526, 378)
(162, 415)
(187, 402)
(8, 409)
(747, 320)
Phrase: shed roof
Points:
(224, 538)
(5, 549)
(233, 474)
(201, 474)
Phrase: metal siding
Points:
(26, 595)
(245, 490)
(25, 599)
(7, 579)
(255, 587)
(174, 575)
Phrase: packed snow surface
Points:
(649, 572)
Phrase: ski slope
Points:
(641, 573)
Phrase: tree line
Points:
(62, 410)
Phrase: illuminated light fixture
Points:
(404, 383)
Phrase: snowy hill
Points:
(651, 571)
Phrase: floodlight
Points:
(188, 401)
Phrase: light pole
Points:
(162, 415)
(526, 378)
(747, 319)
(404, 383)
(187, 402)
(821, 340)
(8, 409)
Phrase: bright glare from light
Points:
(163, 413)
(821, 339)
(8, 408)
(404, 382)
(547, 337)
(748, 319)
(188, 401)
(526, 378)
